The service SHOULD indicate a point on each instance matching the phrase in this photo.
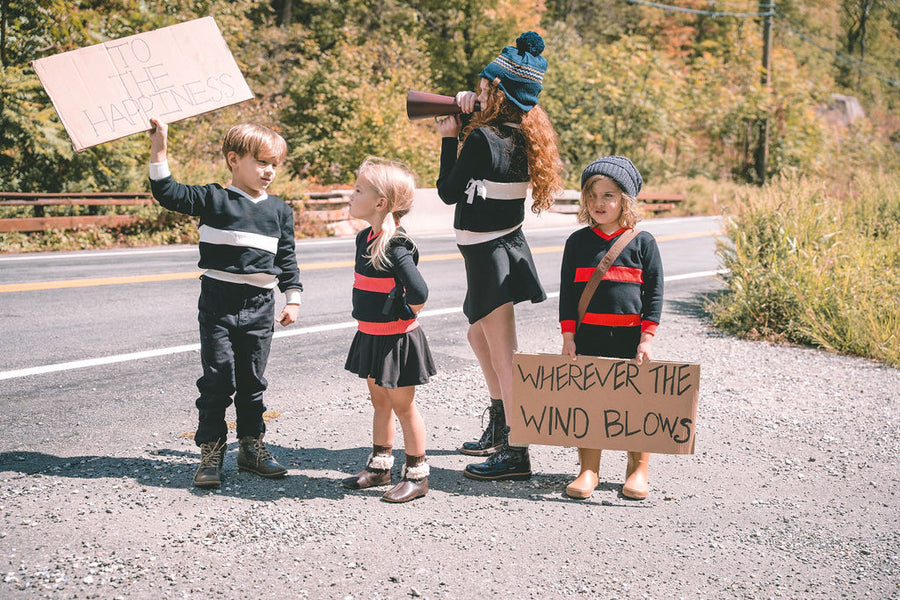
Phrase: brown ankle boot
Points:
(637, 476)
(209, 473)
(377, 471)
(253, 456)
(588, 477)
(414, 483)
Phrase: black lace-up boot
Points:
(493, 437)
(253, 456)
(508, 463)
(209, 473)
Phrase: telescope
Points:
(422, 105)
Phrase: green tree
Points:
(349, 103)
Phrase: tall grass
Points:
(816, 262)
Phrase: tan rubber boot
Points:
(637, 476)
(588, 477)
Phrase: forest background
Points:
(679, 92)
(813, 256)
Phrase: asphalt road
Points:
(792, 492)
(93, 312)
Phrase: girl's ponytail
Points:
(395, 182)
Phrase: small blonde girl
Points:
(389, 349)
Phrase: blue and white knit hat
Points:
(619, 169)
(520, 70)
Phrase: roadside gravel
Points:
(792, 493)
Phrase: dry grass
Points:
(816, 262)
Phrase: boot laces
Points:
(262, 453)
(211, 453)
(489, 434)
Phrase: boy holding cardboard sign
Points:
(246, 249)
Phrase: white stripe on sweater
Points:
(224, 237)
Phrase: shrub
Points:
(814, 262)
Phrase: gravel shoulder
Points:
(792, 493)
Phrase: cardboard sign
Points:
(604, 403)
(110, 90)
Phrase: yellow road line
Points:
(78, 283)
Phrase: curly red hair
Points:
(541, 144)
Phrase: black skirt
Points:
(393, 361)
(497, 272)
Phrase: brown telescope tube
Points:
(422, 105)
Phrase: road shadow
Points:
(312, 473)
(695, 304)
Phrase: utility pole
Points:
(767, 8)
(4, 4)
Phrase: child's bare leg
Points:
(404, 406)
(479, 344)
(499, 330)
(383, 417)
(378, 468)
(415, 474)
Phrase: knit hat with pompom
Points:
(520, 70)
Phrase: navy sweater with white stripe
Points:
(241, 240)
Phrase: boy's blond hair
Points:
(256, 140)
(628, 217)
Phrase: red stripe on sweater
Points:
(612, 320)
(389, 328)
(626, 274)
(373, 284)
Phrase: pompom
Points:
(530, 42)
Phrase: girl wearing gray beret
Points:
(623, 313)
(508, 147)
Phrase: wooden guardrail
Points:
(39, 201)
(328, 206)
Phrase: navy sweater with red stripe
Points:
(631, 292)
(372, 287)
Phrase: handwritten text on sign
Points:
(604, 403)
(110, 90)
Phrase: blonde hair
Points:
(541, 144)
(256, 140)
(628, 215)
(396, 183)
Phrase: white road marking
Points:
(118, 358)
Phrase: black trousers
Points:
(236, 326)
(611, 342)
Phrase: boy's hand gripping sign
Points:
(110, 90)
(604, 403)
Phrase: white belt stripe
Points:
(224, 237)
(495, 190)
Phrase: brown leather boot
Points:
(253, 456)
(377, 471)
(209, 473)
(588, 477)
(637, 476)
(414, 483)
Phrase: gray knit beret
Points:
(619, 169)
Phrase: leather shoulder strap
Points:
(605, 263)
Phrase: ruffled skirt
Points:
(393, 361)
(497, 272)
